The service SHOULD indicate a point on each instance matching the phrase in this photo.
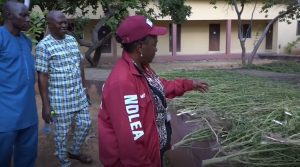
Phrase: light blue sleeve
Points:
(41, 58)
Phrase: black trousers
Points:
(168, 144)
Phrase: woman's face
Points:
(148, 49)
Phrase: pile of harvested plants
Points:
(262, 118)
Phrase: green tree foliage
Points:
(79, 24)
(174, 8)
(38, 25)
(1, 17)
(67, 6)
(114, 12)
(291, 45)
(37, 22)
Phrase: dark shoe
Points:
(81, 157)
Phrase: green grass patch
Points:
(255, 120)
(280, 66)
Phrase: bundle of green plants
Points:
(255, 121)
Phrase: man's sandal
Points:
(81, 157)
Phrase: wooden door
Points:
(214, 37)
(269, 38)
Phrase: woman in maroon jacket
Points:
(133, 123)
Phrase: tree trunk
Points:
(244, 57)
(240, 35)
(96, 29)
(263, 35)
(96, 42)
(97, 56)
(95, 46)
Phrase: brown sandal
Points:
(81, 157)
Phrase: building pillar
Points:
(228, 37)
(174, 39)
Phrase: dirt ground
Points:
(46, 153)
(46, 149)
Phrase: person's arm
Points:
(43, 87)
(82, 74)
(129, 121)
(81, 64)
(84, 81)
(41, 64)
(178, 87)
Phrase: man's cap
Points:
(137, 27)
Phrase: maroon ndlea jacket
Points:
(128, 135)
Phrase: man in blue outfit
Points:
(18, 115)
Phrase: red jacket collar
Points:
(129, 60)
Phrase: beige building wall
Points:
(163, 41)
(195, 38)
(275, 38)
(87, 31)
(287, 33)
(257, 29)
(202, 10)
(162, 45)
(195, 31)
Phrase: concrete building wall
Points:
(257, 29)
(202, 10)
(275, 38)
(195, 31)
(287, 33)
(195, 38)
(163, 41)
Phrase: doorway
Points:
(214, 37)
(269, 38)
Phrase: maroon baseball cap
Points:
(137, 27)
